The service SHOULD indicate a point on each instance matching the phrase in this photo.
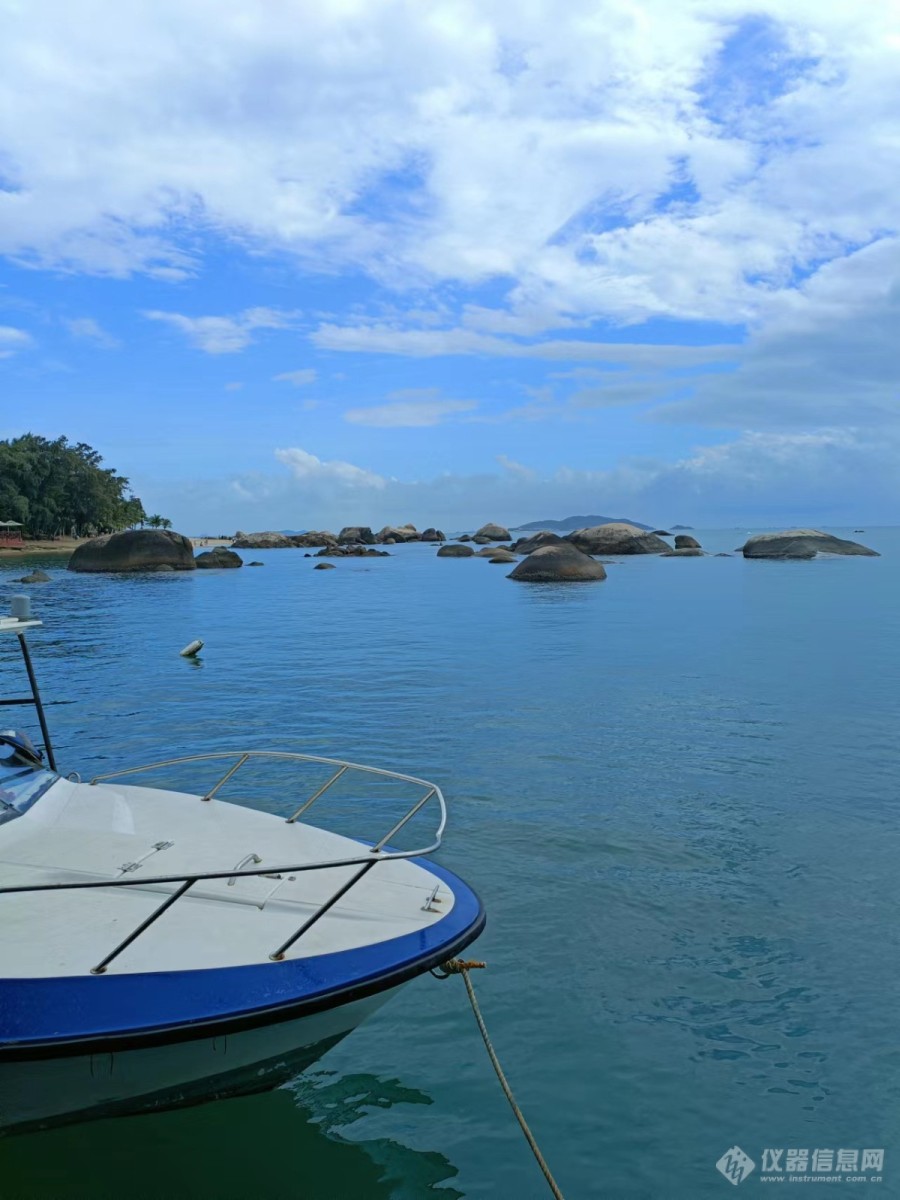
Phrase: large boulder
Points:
(564, 563)
(36, 576)
(219, 556)
(685, 552)
(265, 540)
(684, 541)
(396, 533)
(135, 550)
(502, 556)
(454, 550)
(801, 543)
(356, 533)
(493, 533)
(526, 545)
(432, 535)
(617, 537)
(313, 537)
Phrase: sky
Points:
(377, 261)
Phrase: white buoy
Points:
(192, 649)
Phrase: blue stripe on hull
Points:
(69, 1015)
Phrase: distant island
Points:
(580, 523)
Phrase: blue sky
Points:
(458, 262)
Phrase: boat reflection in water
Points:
(286, 1143)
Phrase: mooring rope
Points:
(458, 966)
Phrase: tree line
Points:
(57, 488)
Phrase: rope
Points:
(457, 966)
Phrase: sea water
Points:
(676, 792)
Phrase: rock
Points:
(493, 533)
(685, 552)
(432, 535)
(162, 567)
(312, 538)
(351, 551)
(486, 552)
(526, 545)
(684, 541)
(454, 550)
(722, 554)
(36, 576)
(324, 567)
(356, 533)
(662, 533)
(617, 537)
(266, 540)
(562, 563)
(396, 533)
(219, 557)
(503, 557)
(801, 543)
(135, 550)
(466, 537)
(258, 564)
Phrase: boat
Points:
(162, 947)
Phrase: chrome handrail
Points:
(376, 853)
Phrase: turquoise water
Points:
(676, 792)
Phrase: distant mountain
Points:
(579, 523)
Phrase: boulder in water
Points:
(36, 576)
(455, 550)
(265, 540)
(219, 556)
(546, 537)
(685, 552)
(617, 537)
(564, 563)
(135, 550)
(356, 533)
(684, 541)
(324, 567)
(801, 544)
(493, 533)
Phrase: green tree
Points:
(56, 487)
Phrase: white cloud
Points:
(224, 335)
(299, 378)
(378, 338)
(830, 477)
(234, 386)
(410, 408)
(88, 330)
(601, 159)
(12, 340)
(309, 470)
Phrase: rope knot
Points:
(456, 966)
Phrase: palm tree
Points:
(165, 523)
(155, 522)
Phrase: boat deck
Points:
(78, 832)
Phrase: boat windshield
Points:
(21, 784)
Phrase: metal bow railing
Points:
(365, 862)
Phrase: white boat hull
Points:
(40, 1093)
